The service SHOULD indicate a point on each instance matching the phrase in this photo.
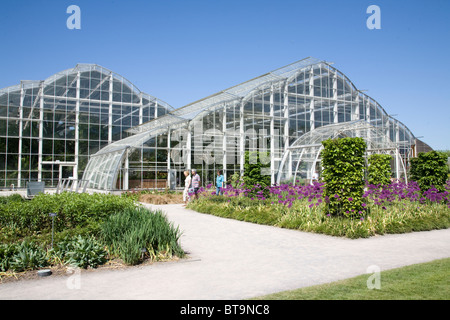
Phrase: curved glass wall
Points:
(302, 158)
(50, 128)
(266, 114)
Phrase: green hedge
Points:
(252, 170)
(343, 172)
(379, 169)
(20, 218)
(429, 170)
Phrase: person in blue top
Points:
(220, 182)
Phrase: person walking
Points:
(195, 182)
(187, 185)
(220, 181)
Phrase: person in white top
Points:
(315, 177)
(187, 184)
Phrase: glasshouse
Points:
(283, 114)
(49, 129)
(116, 138)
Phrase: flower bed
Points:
(83, 230)
(394, 208)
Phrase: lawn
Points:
(425, 281)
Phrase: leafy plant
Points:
(379, 169)
(128, 232)
(7, 252)
(235, 180)
(28, 256)
(84, 252)
(429, 170)
(343, 172)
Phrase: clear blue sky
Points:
(183, 50)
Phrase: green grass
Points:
(425, 281)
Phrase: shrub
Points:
(379, 169)
(253, 167)
(73, 209)
(343, 173)
(429, 170)
(11, 198)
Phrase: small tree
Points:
(429, 170)
(343, 174)
(379, 169)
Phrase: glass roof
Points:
(240, 91)
(69, 79)
(160, 125)
(374, 137)
(243, 89)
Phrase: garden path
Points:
(229, 259)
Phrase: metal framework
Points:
(305, 151)
(50, 128)
(270, 113)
